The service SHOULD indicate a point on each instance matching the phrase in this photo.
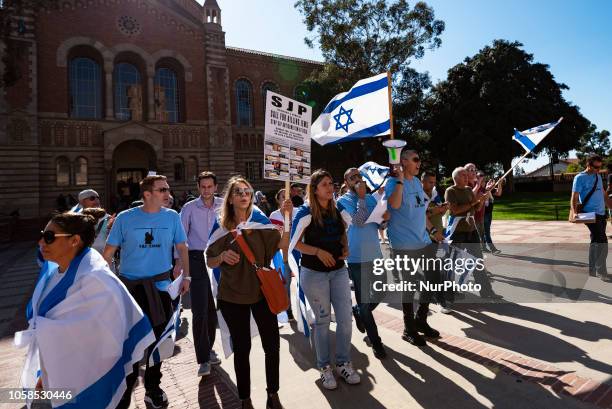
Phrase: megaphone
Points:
(394, 146)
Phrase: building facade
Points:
(108, 90)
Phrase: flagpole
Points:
(390, 104)
(510, 170)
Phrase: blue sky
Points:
(573, 37)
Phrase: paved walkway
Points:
(554, 351)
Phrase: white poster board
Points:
(287, 139)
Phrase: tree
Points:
(362, 38)
(473, 112)
(593, 142)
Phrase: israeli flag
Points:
(362, 112)
(530, 138)
(85, 334)
(164, 348)
(374, 174)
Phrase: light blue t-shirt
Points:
(147, 241)
(407, 228)
(363, 241)
(583, 183)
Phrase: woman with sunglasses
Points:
(319, 233)
(85, 330)
(238, 288)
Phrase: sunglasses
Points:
(162, 189)
(242, 191)
(416, 159)
(49, 236)
(92, 198)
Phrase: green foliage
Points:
(362, 38)
(574, 168)
(593, 142)
(366, 37)
(473, 112)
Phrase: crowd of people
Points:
(90, 257)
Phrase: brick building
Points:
(109, 89)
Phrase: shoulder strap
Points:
(248, 253)
(588, 196)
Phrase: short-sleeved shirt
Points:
(239, 283)
(460, 196)
(407, 227)
(146, 241)
(583, 183)
(363, 241)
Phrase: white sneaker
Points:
(347, 373)
(327, 378)
(445, 310)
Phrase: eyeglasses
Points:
(49, 236)
(242, 191)
(162, 189)
(355, 176)
(92, 198)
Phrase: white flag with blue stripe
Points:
(530, 138)
(85, 333)
(374, 174)
(164, 348)
(362, 112)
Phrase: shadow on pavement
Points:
(533, 342)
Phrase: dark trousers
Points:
(238, 319)
(432, 275)
(471, 242)
(361, 274)
(488, 219)
(204, 324)
(598, 249)
(153, 375)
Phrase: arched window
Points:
(179, 170)
(80, 172)
(128, 92)
(85, 88)
(62, 171)
(192, 169)
(166, 95)
(267, 86)
(244, 103)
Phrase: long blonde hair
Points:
(316, 210)
(227, 210)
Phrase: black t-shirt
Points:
(327, 237)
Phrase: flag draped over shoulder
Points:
(256, 220)
(305, 317)
(361, 112)
(530, 138)
(85, 333)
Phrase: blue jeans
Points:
(322, 291)
(361, 273)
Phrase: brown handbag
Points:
(271, 282)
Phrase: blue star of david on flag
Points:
(349, 120)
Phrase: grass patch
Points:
(532, 206)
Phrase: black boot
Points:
(413, 337)
(421, 324)
(247, 404)
(273, 402)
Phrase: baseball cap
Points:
(87, 193)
